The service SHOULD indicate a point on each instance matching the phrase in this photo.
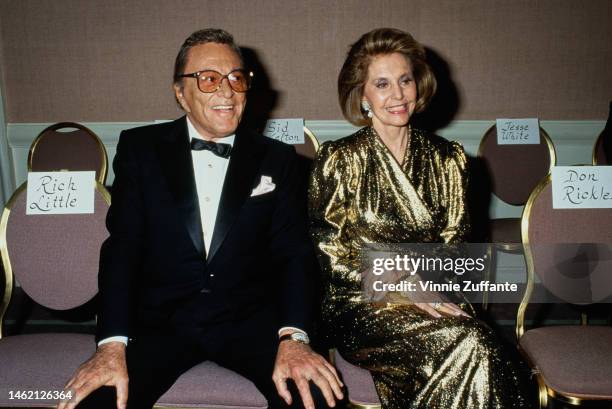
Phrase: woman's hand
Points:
(435, 305)
(437, 309)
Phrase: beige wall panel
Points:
(112, 60)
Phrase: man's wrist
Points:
(112, 347)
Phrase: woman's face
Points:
(390, 90)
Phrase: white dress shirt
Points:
(209, 170)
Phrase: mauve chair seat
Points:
(584, 374)
(40, 362)
(358, 381)
(208, 385)
(505, 230)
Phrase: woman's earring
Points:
(366, 107)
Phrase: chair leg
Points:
(542, 392)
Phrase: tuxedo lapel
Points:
(174, 153)
(239, 179)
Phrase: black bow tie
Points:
(223, 150)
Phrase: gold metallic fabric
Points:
(360, 194)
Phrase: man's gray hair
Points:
(207, 35)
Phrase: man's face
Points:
(216, 114)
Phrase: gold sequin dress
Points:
(360, 194)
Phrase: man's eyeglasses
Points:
(210, 80)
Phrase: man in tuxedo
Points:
(208, 256)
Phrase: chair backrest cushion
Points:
(55, 258)
(571, 249)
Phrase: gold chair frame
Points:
(60, 125)
(312, 138)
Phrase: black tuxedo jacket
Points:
(153, 272)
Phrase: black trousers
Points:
(155, 361)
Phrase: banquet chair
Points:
(68, 146)
(570, 252)
(513, 171)
(54, 258)
(358, 381)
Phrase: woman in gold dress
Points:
(389, 183)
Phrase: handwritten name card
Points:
(586, 187)
(290, 131)
(518, 131)
(60, 192)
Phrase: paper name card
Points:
(60, 192)
(524, 131)
(290, 131)
(582, 187)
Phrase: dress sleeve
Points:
(328, 208)
(454, 195)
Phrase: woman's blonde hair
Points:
(354, 71)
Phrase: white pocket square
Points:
(265, 185)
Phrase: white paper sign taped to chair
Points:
(525, 131)
(60, 192)
(582, 187)
(290, 131)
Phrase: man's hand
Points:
(107, 367)
(297, 361)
